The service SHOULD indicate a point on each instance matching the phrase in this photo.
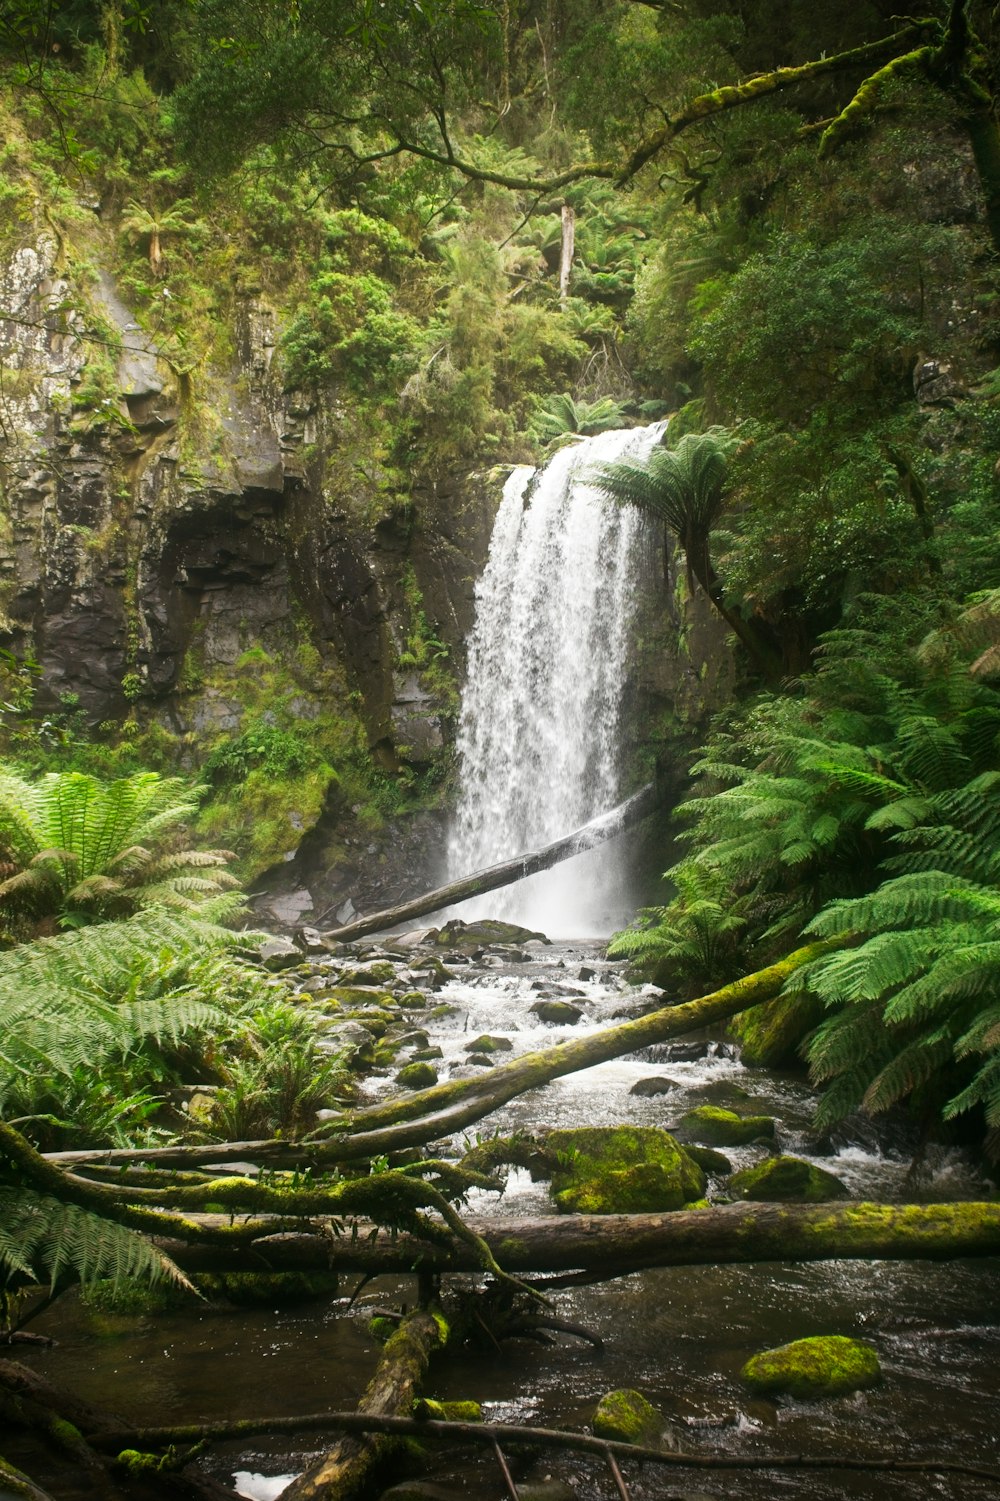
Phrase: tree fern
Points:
(45, 1240)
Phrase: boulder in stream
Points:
(628, 1417)
(715, 1127)
(417, 1076)
(787, 1180)
(487, 930)
(828, 1365)
(621, 1170)
(557, 1013)
(487, 1043)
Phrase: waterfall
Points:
(539, 734)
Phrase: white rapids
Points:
(540, 731)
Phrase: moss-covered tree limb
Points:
(14, 1483)
(346, 1470)
(421, 1116)
(614, 1245)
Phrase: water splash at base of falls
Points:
(540, 733)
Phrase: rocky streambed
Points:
(451, 1004)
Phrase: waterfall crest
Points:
(539, 733)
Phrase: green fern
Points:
(45, 1240)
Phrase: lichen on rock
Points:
(621, 1170)
(628, 1417)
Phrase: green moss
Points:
(787, 1180)
(628, 1417)
(381, 1328)
(771, 1035)
(823, 1366)
(715, 1164)
(413, 1000)
(487, 1044)
(447, 1412)
(250, 1289)
(417, 1076)
(723, 1128)
(621, 1170)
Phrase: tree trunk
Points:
(566, 252)
(613, 1245)
(607, 826)
(345, 1471)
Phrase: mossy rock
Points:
(621, 1170)
(715, 1127)
(481, 1060)
(627, 1416)
(380, 972)
(447, 1412)
(488, 1044)
(557, 1013)
(826, 1365)
(442, 1012)
(427, 1055)
(787, 1180)
(417, 1076)
(385, 1054)
(413, 1000)
(361, 995)
(770, 1035)
(715, 1164)
(456, 933)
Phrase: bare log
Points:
(413, 1119)
(614, 1245)
(608, 826)
(345, 1471)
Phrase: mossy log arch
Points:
(588, 837)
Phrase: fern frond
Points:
(46, 1239)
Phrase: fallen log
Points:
(607, 826)
(423, 1115)
(615, 1245)
(546, 1438)
(346, 1469)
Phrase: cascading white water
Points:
(538, 739)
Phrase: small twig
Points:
(505, 1471)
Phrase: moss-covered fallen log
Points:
(416, 1118)
(613, 1245)
(346, 1470)
(588, 837)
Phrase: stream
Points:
(679, 1335)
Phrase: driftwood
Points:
(608, 826)
(546, 1438)
(346, 1469)
(617, 1244)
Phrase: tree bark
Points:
(607, 826)
(345, 1471)
(566, 251)
(614, 1245)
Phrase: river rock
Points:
(417, 1076)
(647, 1088)
(489, 1044)
(627, 1416)
(279, 953)
(487, 930)
(353, 1040)
(787, 1180)
(621, 1170)
(828, 1365)
(586, 973)
(382, 972)
(481, 1060)
(557, 1013)
(427, 1055)
(715, 1127)
(546, 1490)
(715, 1164)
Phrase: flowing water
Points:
(680, 1335)
(540, 734)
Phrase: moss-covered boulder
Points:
(488, 1044)
(621, 1170)
(417, 1076)
(361, 995)
(715, 1127)
(486, 930)
(412, 1000)
(827, 1365)
(557, 1013)
(715, 1164)
(787, 1180)
(379, 972)
(628, 1417)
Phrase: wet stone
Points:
(648, 1088)
(557, 1013)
